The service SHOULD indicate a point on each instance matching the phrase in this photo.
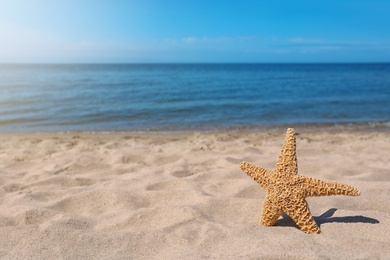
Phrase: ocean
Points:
(145, 97)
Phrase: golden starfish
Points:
(286, 190)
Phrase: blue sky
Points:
(57, 31)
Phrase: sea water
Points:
(94, 97)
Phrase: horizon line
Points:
(192, 63)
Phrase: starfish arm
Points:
(299, 212)
(287, 162)
(315, 187)
(271, 212)
(256, 173)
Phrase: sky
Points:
(183, 31)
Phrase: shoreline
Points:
(380, 126)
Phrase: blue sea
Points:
(106, 97)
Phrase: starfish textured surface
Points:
(286, 190)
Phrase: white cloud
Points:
(170, 41)
(304, 40)
(204, 39)
(190, 39)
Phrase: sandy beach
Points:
(168, 195)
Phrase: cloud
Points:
(204, 39)
(191, 39)
(25, 44)
(304, 40)
(170, 41)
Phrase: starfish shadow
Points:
(327, 218)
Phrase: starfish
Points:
(286, 190)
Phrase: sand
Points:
(159, 195)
